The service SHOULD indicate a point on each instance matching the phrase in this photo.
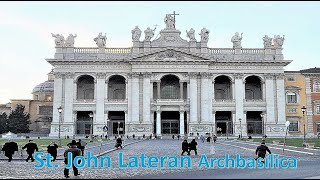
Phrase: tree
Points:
(19, 120)
(3, 123)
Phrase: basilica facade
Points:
(169, 85)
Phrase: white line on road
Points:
(282, 149)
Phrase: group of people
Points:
(10, 147)
(188, 147)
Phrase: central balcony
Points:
(170, 101)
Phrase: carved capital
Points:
(69, 75)
(135, 75)
(58, 75)
(193, 75)
(146, 75)
(238, 76)
(204, 75)
(280, 76)
(268, 76)
(101, 75)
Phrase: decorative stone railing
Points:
(254, 102)
(85, 101)
(106, 50)
(116, 100)
(221, 51)
(170, 101)
(86, 50)
(252, 51)
(224, 100)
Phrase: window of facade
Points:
(290, 79)
(45, 110)
(292, 110)
(291, 98)
(317, 86)
(318, 127)
(317, 108)
(293, 125)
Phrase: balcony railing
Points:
(116, 100)
(85, 101)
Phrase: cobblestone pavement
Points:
(22, 169)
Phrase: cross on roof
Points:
(174, 18)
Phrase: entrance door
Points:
(223, 127)
(170, 126)
(118, 128)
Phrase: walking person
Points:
(52, 149)
(193, 146)
(81, 146)
(185, 147)
(208, 139)
(9, 148)
(261, 151)
(172, 136)
(118, 143)
(202, 138)
(214, 138)
(75, 152)
(178, 136)
(31, 147)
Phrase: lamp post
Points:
(264, 125)
(303, 109)
(60, 111)
(240, 129)
(91, 128)
(118, 128)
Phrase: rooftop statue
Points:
(100, 40)
(149, 33)
(278, 41)
(190, 34)
(59, 41)
(204, 35)
(136, 34)
(70, 40)
(267, 41)
(169, 20)
(236, 40)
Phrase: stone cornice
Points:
(193, 74)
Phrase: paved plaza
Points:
(308, 162)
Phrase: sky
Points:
(26, 27)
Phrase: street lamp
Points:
(240, 129)
(60, 111)
(264, 125)
(118, 127)
(91, 128)
(303, 109)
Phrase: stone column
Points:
(146, 98)
(233, 89)
(57, 102)
(101, 79)
(308, 114)
(234, 122)
(281, 100)
(204, 98)
(68, 103)
(193, 98)
(263, 88)
(182, 123)
(181, 90)
(188, 121)
(158, 130)
(210, 99)
(214, 129)
(239, 98)
(75, 90)
(213, 97)
(106, 89)
(129, 99)
(126, 120)
(135, 103)
(270, 99)
(158, 90)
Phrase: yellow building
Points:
(295, 92)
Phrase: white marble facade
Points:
(145, 64)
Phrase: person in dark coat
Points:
(53, 150)
(118, 142)
(185, 147)
(178, 136)
(261, 150)
(75, 152)
(193, 146)
(214, 138)
(208, 139)
(31, 147)
(172, 136)
(9, 148)
(81, 146)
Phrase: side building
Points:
(312, 81)
(295, 90)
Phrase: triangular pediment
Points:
(170, 54)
